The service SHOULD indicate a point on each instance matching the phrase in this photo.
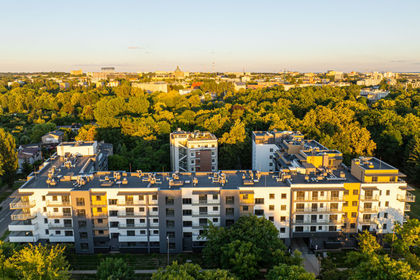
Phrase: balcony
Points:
(21, 236)
(56, 215)
(369, 210)
(409, 197)
(18, 204)
(58, 203)
(59, 226)
(61, 238)
(135, 238)
(317, 222)
(20, 216)
(370, 221)
(318, 210)
(135, 226)
(407, 207)
(22, 226)
(320, 199)
(369, 197)
(131, 203)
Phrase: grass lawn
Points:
(415, 207)
(136, 261)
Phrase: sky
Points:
(235, 35)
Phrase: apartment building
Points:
(193, 151)
(73, 199)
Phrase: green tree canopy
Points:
(114, 269)
(190, 271)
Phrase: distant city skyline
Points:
(263, 36)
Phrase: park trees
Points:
(8, 156)
(190, 271)
(249, 245)
(114, 269)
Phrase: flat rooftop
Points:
(372, 163)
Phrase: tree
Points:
(40, 263)
(190, 271)
(289, 272)
(247, 246)
(114, 269)
(8, 156)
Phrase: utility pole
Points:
(167, 239)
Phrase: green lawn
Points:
(415, 207)
(137, 261)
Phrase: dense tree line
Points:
(138, 123)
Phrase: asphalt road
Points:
(5, 213)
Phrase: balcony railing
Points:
(58, 215)
(58, 203)
(318, 210)
(59, 226)
(317, 222)
(18, 204)
(325, 199)
(369, 210)
(19, 216)
(369, 197)
(409, 197)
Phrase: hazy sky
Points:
(236, 35)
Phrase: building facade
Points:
(73, 199)
(193, 151)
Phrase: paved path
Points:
(310, 261)
(5, 213)
(94, 271)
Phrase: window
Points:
(313, 228)
(55, 210)
(388, 192)
(386, 215)
(44, 209)
(99, 209)
(141, 209)
(129, 211)
(283, 207)
(113, 213)
(215, 208)
(282, 218)
(56, 221)
(319, 227)
(215, 220)
(334, 206)
(84, 246)
(259, 201)
(374, 178)
(245, 208)
(43, 198)
(230, 211)
(154, 197)
(332, 228)
(271, 207)
(142, 232)
(272, 196)
(384, 226)
(98, 198)
(386, 203)
(142, 221)
(230, 199)
(170, 234)
(58, 232)
(114, 224)
(322, 193)
(355, 192)
(81, 213)
(170, 223)
(80, 201)
(245, 196)
(187, 212)
(270, 164)
(169, 200)
(203, 210)
(202, 198)
(282, 230)
(215, 196)
(229, 222)
(321, 217)
(271, 150)
(283, 196)
(155, 221)
(354, 203)
(271, 219)
(81, 224)
(353, 214)
(45, 221)
(345, 204)
(54, 198)
(68, 233)
(47, 231)
(170, 212)
(187, 223)
(141, 197)
(131, 232)
(112, 201)
(186, 201)
(154, 209)
(346, 192)
(259, 212)
(203, 222)
(299, 229)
